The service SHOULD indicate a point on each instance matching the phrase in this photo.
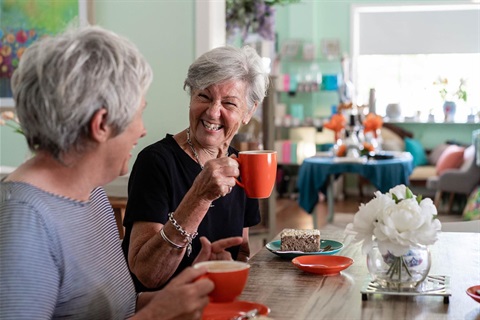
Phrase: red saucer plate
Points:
(472, 292)
(228, 310)
(324, 265)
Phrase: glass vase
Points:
(399, 272)
(449, 110)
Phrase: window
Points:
(401, 51)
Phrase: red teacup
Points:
(228, 276)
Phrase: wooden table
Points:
(293, 294)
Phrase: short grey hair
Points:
(63, 80)
(229, 63)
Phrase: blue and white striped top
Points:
(60, 258)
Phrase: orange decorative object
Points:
(372, 123)
(342, 150)
(337, 123)
(368, 147)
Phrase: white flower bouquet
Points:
(397, 222)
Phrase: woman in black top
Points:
(184, 184)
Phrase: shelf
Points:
(433, 123)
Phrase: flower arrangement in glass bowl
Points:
(396, 229)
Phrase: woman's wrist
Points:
(187, 236)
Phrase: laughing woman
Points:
(80, 97)
(182, 188)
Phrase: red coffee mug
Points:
(258, 172)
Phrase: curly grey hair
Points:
(63, 80)
(229, 63)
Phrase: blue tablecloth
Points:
(383, 174)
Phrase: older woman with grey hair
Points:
(80, 97)
(182, 188)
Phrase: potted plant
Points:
(450, 95)
(249, 17)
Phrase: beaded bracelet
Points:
(170, 242)
(188, 236)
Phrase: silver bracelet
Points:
(188, 236)
(170, 242)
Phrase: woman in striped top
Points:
(79, 97)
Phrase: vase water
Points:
(399, 272)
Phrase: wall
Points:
(432, 134)
(164, 32)
(316, 20)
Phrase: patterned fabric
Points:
(472, 209)
(60, 258)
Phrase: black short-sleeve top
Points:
(161, 176)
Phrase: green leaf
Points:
(394, 197)
(419, 198)
(408, 194)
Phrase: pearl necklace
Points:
(195, 154)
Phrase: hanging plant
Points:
(252, 16)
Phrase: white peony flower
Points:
(400, 191)
(396, 221)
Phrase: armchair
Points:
(457, 181)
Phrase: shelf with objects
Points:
(307, 89)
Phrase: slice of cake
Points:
(300, 240)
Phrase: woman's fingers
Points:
(205, 252)
(216, 250)
(222, 244)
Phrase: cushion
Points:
(451, 158)
(391, 141)
(422, 173)
(472, 209)
(418, 152)
(435, 154)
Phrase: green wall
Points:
(432, 134)
(164, 32)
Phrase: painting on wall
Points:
(24, 22)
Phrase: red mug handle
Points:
(236, 180)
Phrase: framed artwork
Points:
(24, 22)
(291, 48)
(330, 48)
